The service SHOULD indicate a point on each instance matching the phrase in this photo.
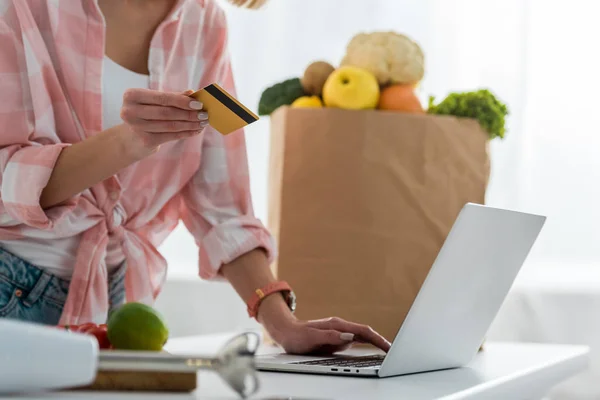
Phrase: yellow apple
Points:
(352, 88)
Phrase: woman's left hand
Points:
(325, 336)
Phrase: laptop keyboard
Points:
(352, 362)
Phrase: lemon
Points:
(308, 102)
(136, 326)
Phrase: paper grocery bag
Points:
(360, 203)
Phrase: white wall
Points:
(194, 307)
(539, 56)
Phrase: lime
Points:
(137, 326)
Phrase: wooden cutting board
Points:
(144, 381)
(143, 371)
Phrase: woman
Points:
(103, 152)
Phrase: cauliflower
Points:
(392, 57)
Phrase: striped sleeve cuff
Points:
(230, 240)
(25, 177)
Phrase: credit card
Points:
(225, 113)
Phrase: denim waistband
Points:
(31, 279)
(35, 281)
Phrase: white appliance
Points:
(455, 306)
(35, 357)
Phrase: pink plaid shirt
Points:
(50, 79)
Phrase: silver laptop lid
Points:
(464, 290)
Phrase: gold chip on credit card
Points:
(225, 113)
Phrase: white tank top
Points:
(115, 81)
(47, 254)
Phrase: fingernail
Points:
(348, 337)
(202, 115)
(196, 105)
(203, 123)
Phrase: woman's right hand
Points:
(155, 117)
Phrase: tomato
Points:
(84, 328)
(98, 331)
(101, 335)
(71, 328)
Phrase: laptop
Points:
(456, 305)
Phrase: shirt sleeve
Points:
(27, 154)
(217, 205)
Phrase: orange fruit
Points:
(400, 97)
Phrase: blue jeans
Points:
(29, 293)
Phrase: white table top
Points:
(501, 371)
(556, 303)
